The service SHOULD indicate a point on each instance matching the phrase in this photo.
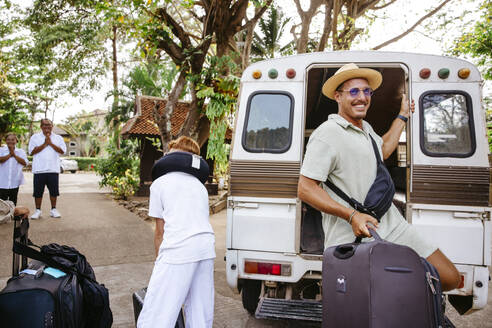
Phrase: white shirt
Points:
(11, 171)
(182, 201)
(47, 160)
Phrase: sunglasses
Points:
(354, 92)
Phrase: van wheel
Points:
(72, 171)
(61, 169)
(250, 294)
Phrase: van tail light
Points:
(275, 269)
(462, 282)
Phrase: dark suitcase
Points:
(35, 298)
(380, 284)
(138, 300)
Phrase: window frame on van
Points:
(471, 124)
(246, 121)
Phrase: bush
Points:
(120, 170)
(124, 186)
(87, 163)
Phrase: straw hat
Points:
(351, 71)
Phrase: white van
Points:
(440, 169)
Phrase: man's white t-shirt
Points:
(47, 160)
(11, 171)
(182, 201)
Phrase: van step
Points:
(274, 308)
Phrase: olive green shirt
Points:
(342, 152)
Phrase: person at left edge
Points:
(12, 160)
(45, 148)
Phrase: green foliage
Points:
(88, 163)
(153, 78)
(124, 186)
(67, 44)
(12, 117)
(478, 42)
(221, 92)
(121, 167)
(272, 29)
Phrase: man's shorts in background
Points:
(49, 180)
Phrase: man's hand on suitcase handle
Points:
(360, 223)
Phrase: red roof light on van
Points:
(290, 73)
(425, 73)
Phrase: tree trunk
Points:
(116, 120)
(306, 18)
(327, 26)
(164, 120)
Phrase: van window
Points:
(268, 126)
(447, 124)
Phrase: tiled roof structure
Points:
(143, 122)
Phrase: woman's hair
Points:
(11, 134)
(186, 144)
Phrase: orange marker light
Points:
(464, 73)
(256, 74)
(425, 73)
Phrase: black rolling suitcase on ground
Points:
(138, 300)
(34, 297)
(380, 284)
(56, 290)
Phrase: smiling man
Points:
(341, 150)
(46, 148)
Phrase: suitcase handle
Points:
(374, 234)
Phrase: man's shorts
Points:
(49, 180)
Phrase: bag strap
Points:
(40, 256)
(376, 150)
(353, 202)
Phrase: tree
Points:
(340, 22)
(12, 116)
(272, 29)
(478, 41)
(172, 27)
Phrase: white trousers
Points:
(173, 285)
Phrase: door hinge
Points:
(486, 216)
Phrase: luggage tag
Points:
(195, 162)
(54, 272)
(28, 271)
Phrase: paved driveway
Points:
(119, 245)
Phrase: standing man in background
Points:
(12, 161)
(46, 147)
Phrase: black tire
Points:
(61, 169)
(73, 171)
(250, 295)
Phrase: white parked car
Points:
(68, 165)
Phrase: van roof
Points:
(413, 61)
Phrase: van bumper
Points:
(302, 266)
